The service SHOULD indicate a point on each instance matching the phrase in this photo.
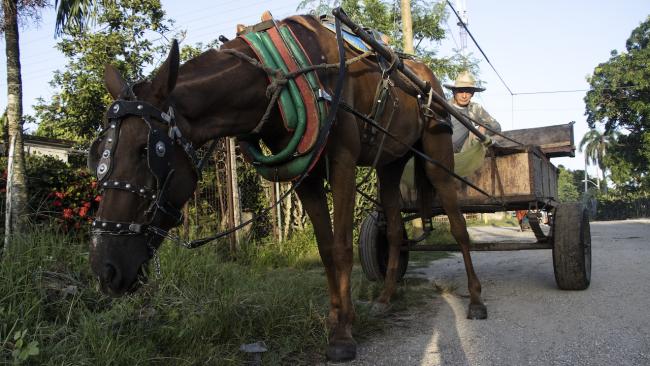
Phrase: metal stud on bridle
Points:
(160, 145)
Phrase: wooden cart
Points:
(519, 177)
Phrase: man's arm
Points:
(478, 113)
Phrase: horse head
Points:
(138, 156)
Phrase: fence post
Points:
(277, 226)
(234, 208)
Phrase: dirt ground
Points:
(530, 321)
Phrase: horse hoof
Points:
(477, 311)
(341, 351)
(379, 309)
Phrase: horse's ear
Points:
(165, 79)
(113, 81)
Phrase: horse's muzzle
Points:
(118, 273)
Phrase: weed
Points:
(199, 311)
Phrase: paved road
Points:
(530, 321)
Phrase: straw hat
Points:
(465, 80)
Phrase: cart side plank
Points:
(516, 176)
(512, 176)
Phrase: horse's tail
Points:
(425, 191)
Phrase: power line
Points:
(577, 90)
(479, 47)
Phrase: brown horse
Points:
(217, 94)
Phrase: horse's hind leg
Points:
(438, 146)
(389, 178)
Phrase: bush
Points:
(57, 192)
(617, 208)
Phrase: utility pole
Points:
(407, 27)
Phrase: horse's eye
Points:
(143, 152)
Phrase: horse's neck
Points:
(219, 95)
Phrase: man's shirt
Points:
(476, 112)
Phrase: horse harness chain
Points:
(160, 148)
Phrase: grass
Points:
(199, 311)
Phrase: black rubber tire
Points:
(373, 249)
(571, 247)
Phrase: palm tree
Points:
(16, 196)
(69, 13)
(75, 13)
(595, 145)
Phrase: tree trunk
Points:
(598, 172)
(17, 215)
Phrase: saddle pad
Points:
(278, 48)
(352, 39)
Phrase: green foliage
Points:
(384, 16)
(22, 349)
(616, 207)
(57, 192)
(620, 99)
(50, 297)
(298, 251)
(254, 199)
(566, 187)
(76, 111)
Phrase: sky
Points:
(535, 46)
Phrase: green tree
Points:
(76, 14)
(123, 38)
(386, 17)
(595, 146)
(619, 99)
(566, 187)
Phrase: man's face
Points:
(463, 96)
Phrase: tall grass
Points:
(198, 311)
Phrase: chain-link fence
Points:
(231, 192)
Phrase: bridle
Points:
(161, 145)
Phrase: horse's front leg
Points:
(313, 198)
(438, 146)
(335, 248)
(389, 178)
(342, 172)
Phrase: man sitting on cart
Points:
(464, 88)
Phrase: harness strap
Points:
(158, 144)
(144, 192)
(320, 144)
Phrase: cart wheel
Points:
(373, 249)
(571, 247)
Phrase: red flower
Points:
(93, 184)
(83, 211)
(59, 195)
(98, 198)
(87, 204)
(67, 213)
(57, 203)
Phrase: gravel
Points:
(530, 321)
